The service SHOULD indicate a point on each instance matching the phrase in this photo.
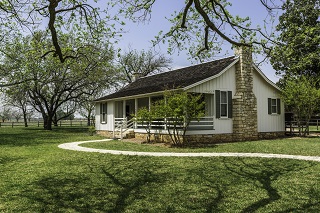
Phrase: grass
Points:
(293, 146)
(37, 176)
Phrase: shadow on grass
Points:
(103, 189)
(129, 188)
(264, 176)
(35, 136)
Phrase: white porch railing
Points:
(122, 125)
(204, 123)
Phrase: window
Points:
(223, 104)
(274, 106)
(103, 112)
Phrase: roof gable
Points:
(175, 79)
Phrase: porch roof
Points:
(176, 79)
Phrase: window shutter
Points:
(278, 106)
(105, 108)
(229, 104)
(269, 106)
(101, 105)
(217, 94)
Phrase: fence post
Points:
(0, 124)
(71, 122)
(80, 122)
(60, 122)
(317, 124)
(12, 124)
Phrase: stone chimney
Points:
(245, 120)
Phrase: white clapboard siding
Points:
(110, 116)
(264, 90)
(225, 82)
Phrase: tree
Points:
(142, 63)
(77, 17)
(18, 97)
(200, 23)
(50, 83)
(179, 109)
(17, 114)
(302, 97)
(204, 24)
(87, 110)
(145, 117)
(298, 50)
(65, 112)
(5, 113)
(87, 106)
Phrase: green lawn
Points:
(293, 146)
(37, 176)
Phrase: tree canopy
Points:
(82, 18)
(202, 25)
(141, 63)
(301, 97)
(298, 50)
(49, 83)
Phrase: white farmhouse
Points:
(241, 102)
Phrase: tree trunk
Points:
(25, 119)
(55, 120)
(89, 118)
(47, 122)
(88, 121)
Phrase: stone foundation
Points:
(214, 138)
(104, 133)
(109, 134)
(271, 135)
(200, 139)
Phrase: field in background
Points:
(39, 123)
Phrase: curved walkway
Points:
(75, 146)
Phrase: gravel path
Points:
(75, 146)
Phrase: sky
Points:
(139, 35)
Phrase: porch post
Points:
(165, 118)
(135, 110)
(114, 127)
(124, 109)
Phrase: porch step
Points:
(126, 135)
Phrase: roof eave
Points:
(134, 96)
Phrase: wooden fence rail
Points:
(71, 123)
(292, 126)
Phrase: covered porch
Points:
(124, 121)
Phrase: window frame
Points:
(224, 105)
(274, 106)
(227, 104)
(103, 113)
